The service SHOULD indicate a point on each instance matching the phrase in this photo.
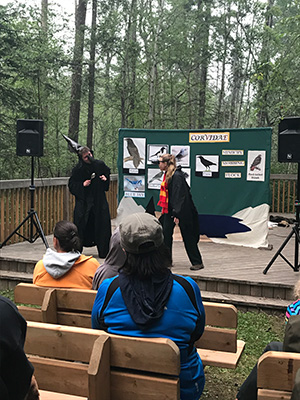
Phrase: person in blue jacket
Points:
(147, 300)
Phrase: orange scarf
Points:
(164, 196)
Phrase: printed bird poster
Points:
(134, 150)
(134, 183)
(182, 155)
(256, 165)
(155, 178)
(207, 166)
(155, 151)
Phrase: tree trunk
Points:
(153, 69)
(42, 91)
(262, 95)
(128, 71)
(80, 16)
(91, 79)
(204, 17)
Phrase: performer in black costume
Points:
(178, 208)
(88, 183)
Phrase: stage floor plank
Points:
(221, 261)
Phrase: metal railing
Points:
(53, 202)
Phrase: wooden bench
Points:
(218, 345)
(276, 373)
(91, 363)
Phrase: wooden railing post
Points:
(283, 191)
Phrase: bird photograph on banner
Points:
(206, 162)
(134, 153)
(207, 165)
(256, 165)
(155, 151)
(155, 177)
(134, 183)
(182, 155)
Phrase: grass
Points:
(7, 293)
(257, 329)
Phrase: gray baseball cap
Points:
(141, 233)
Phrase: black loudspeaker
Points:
(289, 140)
(30, 137)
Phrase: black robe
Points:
(181, 204)
(91, 213)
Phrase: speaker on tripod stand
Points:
(30, 139)
(289, 151)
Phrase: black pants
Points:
(248, 390)
(190, 240)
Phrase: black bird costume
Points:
(91, 213)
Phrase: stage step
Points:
(247, 289)
(17, 265)
(9, 279)
(247, 303)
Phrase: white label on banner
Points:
(233, 175)
(133, 171)
(233, 163)
(232, 152)
(134, 194)
(207, 173)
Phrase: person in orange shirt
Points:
(65, 267)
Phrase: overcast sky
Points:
(67, 5)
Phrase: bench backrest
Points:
(91, 363)
(276, 374)
(73, 307)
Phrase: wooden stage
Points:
(232, 273)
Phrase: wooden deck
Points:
(231, 272)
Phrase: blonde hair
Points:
(171, 163)
(297, 290)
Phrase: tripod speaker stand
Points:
(294, 232)
(32, 218)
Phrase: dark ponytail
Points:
(67, 234)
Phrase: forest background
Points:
(167, 64)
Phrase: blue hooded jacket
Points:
(182, 319)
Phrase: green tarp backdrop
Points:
(228, 171)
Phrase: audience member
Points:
(291, 343)
(16, 372)
(294, 308)
(114, 260)
(296, 389)
(178, 207)
(89, 181)
(66, 266)
(147, 300)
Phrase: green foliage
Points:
(7, 293)
(159, 64)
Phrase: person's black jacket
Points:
(181, 204)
